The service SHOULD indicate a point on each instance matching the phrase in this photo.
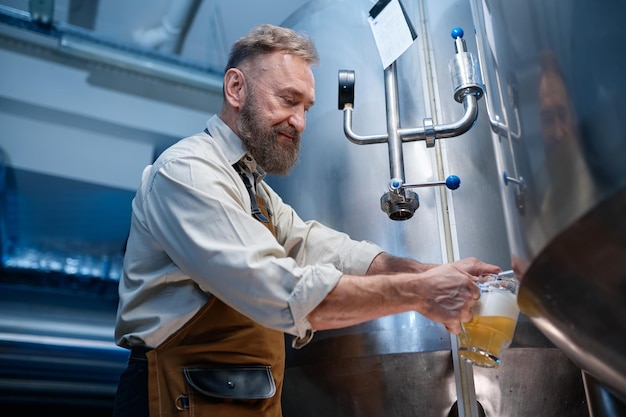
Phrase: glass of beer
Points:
(494, 319)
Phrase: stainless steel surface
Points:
(422, 384)
(555, 91)
(401, 365)
(602, 401)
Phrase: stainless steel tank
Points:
(402, 365)
(555, 71)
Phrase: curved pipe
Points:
(168, 36)
(358, 139)
(470, 103)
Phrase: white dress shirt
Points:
(192, 236)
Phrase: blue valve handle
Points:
(457, 33)
(452, 182)
(507, 179)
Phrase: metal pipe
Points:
(464, 379)
(117, 56)
(470, 103)
(396, 165)
(168, 35)
(498, 127)
(355, 138)
(398, 202)
(85, 44)
(449, 130)
(463, 373)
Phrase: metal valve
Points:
(520, 192)
(464, 69)
(400, 203)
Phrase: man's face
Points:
(280, 90)
(557, 115)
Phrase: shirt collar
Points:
(233, 147)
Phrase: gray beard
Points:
(262, 142)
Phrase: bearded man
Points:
(218, 268)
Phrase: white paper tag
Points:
(392, 30)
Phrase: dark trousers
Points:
(131, 398)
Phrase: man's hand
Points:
(448, 292)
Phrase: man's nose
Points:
(298, 119)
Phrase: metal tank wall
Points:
(555, 71)
(402, 365)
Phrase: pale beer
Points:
(493, 324)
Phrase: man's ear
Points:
(234, 88)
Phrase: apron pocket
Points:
(248, 382)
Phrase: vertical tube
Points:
(396, 164)
(463, 372)
(464, 378)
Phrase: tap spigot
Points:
(399, 204)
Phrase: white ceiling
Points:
(215, 25)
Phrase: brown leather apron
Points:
(219, 364)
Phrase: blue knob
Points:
(453, 182)
(456, 33)
(395, 184)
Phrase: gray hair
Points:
(265, 39)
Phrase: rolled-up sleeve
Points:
(324, 253)
(198, 211)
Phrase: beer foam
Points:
(497, 303)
